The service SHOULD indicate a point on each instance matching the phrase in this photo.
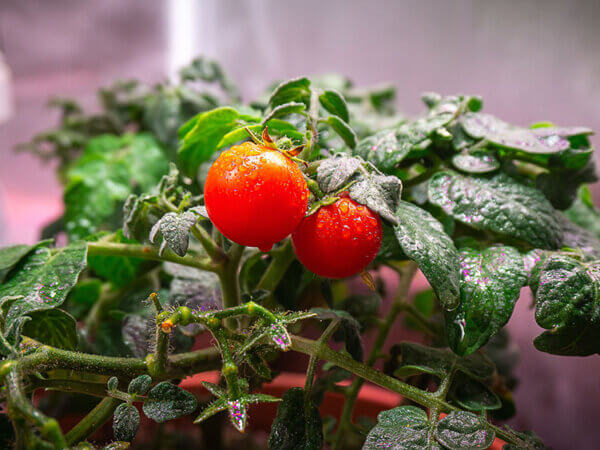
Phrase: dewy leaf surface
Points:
(42, 280)
(491, 281)
(404, 427)
(567, 303)
(463, 430)
(422, 238)
(498, 204)
(380, 193)
(334, 173)
(500, 133)
(166, 401)
(175, 230)
(126, 422)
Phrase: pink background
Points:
(530, 60)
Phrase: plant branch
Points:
(97, 417)
(19, 407)
(423, 398)
(281, 260)
(148, 252)
(407, 273)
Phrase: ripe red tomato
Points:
(339, 240)
(255, 195)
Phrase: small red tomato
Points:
(339, 240)
(255, 195)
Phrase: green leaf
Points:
(220, 404)
(422, 239)
(385, 150)
(417, 358)
(294, 90)
(297, 424)
(108, 171)
(53, 327)
(498, 204)
(388, 148)
(473, 395)
(334, 173)
(342, 129)
(285, 110)
(380, 193)
(10, 256)
(112, 384)
(140, 213)
(491, 281)
(476, 162)
(140, 385)
(501, 134)
(175, 231)
(166, 402)
(464, 430)
(567, 303)
(349, 330)
(335, 103)
(126, 422)
(200, 142)
(41, 281)
(404, 427)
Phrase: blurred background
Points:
(529, 60)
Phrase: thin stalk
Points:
(158, 365)
(148, 252)
(19, 407)
(210, 246)
(312, 363)
(97, 417)
(280, 262)
(407, 273)
(423, 398)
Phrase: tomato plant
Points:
(160, 234)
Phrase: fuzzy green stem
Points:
(20, 407)
(48, 358)
(210, 246)
(148, 252)
(407, 273)
(312, 364)
(158, 364)
(97, 417)
(423, 398)
(281, 260)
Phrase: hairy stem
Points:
(423, 398)
(148, 252)
(229, 279)
(281, 260)
(20, 409)
(97, 417)
(407, 273)
(210, 246)
(312, 364)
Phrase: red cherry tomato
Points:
(339, 240)
(255, 195)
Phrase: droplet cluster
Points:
(339, 240)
